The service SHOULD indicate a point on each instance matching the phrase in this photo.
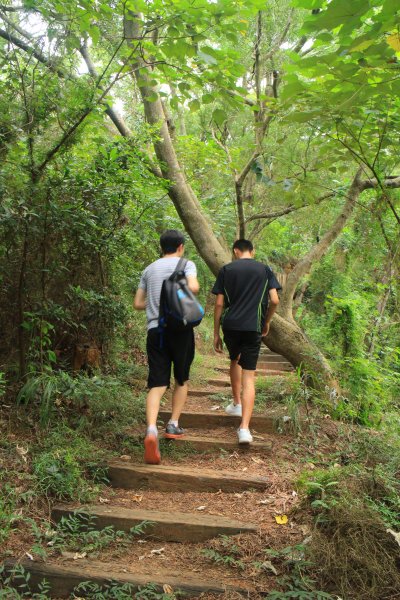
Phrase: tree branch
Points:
(304, 265)
(287, 210)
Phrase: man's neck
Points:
(245, 255)
(173, 255)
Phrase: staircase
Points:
(201, 485)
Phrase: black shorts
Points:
(165, 349)
(245, 344)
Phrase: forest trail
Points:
(206, 487)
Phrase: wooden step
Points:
(63, 578)
(219, 382)
(274, 365)
(180, 479)
(168, 526)
(206, 444)
(269, 370)
(272, 358)
(207, 420)
(204, 392)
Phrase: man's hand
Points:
(265, 330)
(217, 343)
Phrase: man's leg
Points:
(249, 393)
(159, 375)
(153, 405)
(182, 351)
(248, 361)
(179, 397)
(235, 372)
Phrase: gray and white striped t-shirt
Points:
(152, 280)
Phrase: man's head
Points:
(172, 241)
(243, 249)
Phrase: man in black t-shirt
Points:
(246, 299)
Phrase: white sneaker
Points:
(244, 436)
(234, 409)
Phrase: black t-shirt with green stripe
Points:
(245, 284)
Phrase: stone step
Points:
(179, 479)
(167, 526)
(206, 444)
(207, 420)
(64, 578)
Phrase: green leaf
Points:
(219, 116)
(194, 105)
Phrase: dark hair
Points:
(243, 245)
(170, 240)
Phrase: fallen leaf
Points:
(257, 460)
(158, 550)
(167, 589)
(104, 500)
(201, 507)
(125, 457)
(216, 407)
(137, 498)
(142, 557)
(281, 519)
(258, 437)
(142, 541)
(244, 469)
(239, 495)
(22, 452)
(268, 566)
(29, 555)
(337, 465)
(294, 494)
(267, 501)
(79, 555)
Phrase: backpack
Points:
(179, 308)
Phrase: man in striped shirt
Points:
(246, 299)
(175, 348)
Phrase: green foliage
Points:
(8, 510)
(118, 591)
(59, 473)
(296, 583)
(15, 585)
(106, 402)
(228, 553)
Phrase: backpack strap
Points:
(182, 262)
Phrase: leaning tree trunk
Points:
(285, 336)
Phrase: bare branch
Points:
(281, 39)
(287, 210)
(32, 51)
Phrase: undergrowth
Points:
(356, 515)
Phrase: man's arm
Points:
(193, 283)
(218, 310)
(272, 305)
(139, 302)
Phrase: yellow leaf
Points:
(281, 519)
(394, 41)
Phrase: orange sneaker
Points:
(152, 454)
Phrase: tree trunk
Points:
(285, 336)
